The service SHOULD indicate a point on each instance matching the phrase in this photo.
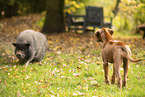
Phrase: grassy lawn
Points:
(72, 67)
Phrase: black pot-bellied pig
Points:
(30, 46)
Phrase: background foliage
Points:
(9, 8)
(131, 12)
(131, 15)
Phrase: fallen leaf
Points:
(95, 83)
(6, 83)
(77, 93)
(44, 86)
(76, 74)
(18, 93)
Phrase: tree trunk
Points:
(54, 21)
(116, 9)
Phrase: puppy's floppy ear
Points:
(111, 31)
(97, 33)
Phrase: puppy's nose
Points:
(18, 55)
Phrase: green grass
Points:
(72, 67)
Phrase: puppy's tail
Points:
(133, 60)
(128, 55)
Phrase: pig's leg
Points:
(40, 63)
(31, 56)
(27, 62)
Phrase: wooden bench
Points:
(74, 22)
(95, 18)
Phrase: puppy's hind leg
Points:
(125, 66)
(113, 76)
(117, 65)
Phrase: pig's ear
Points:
(15, 44)
(27, 45)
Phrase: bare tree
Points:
(116, 9)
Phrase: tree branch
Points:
(116, 9)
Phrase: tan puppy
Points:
(114, 52)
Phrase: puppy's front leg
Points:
(105, 67)
(125, 66)
(106, 71)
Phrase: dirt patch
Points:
(11, 27)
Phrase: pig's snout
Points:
(19, 55)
